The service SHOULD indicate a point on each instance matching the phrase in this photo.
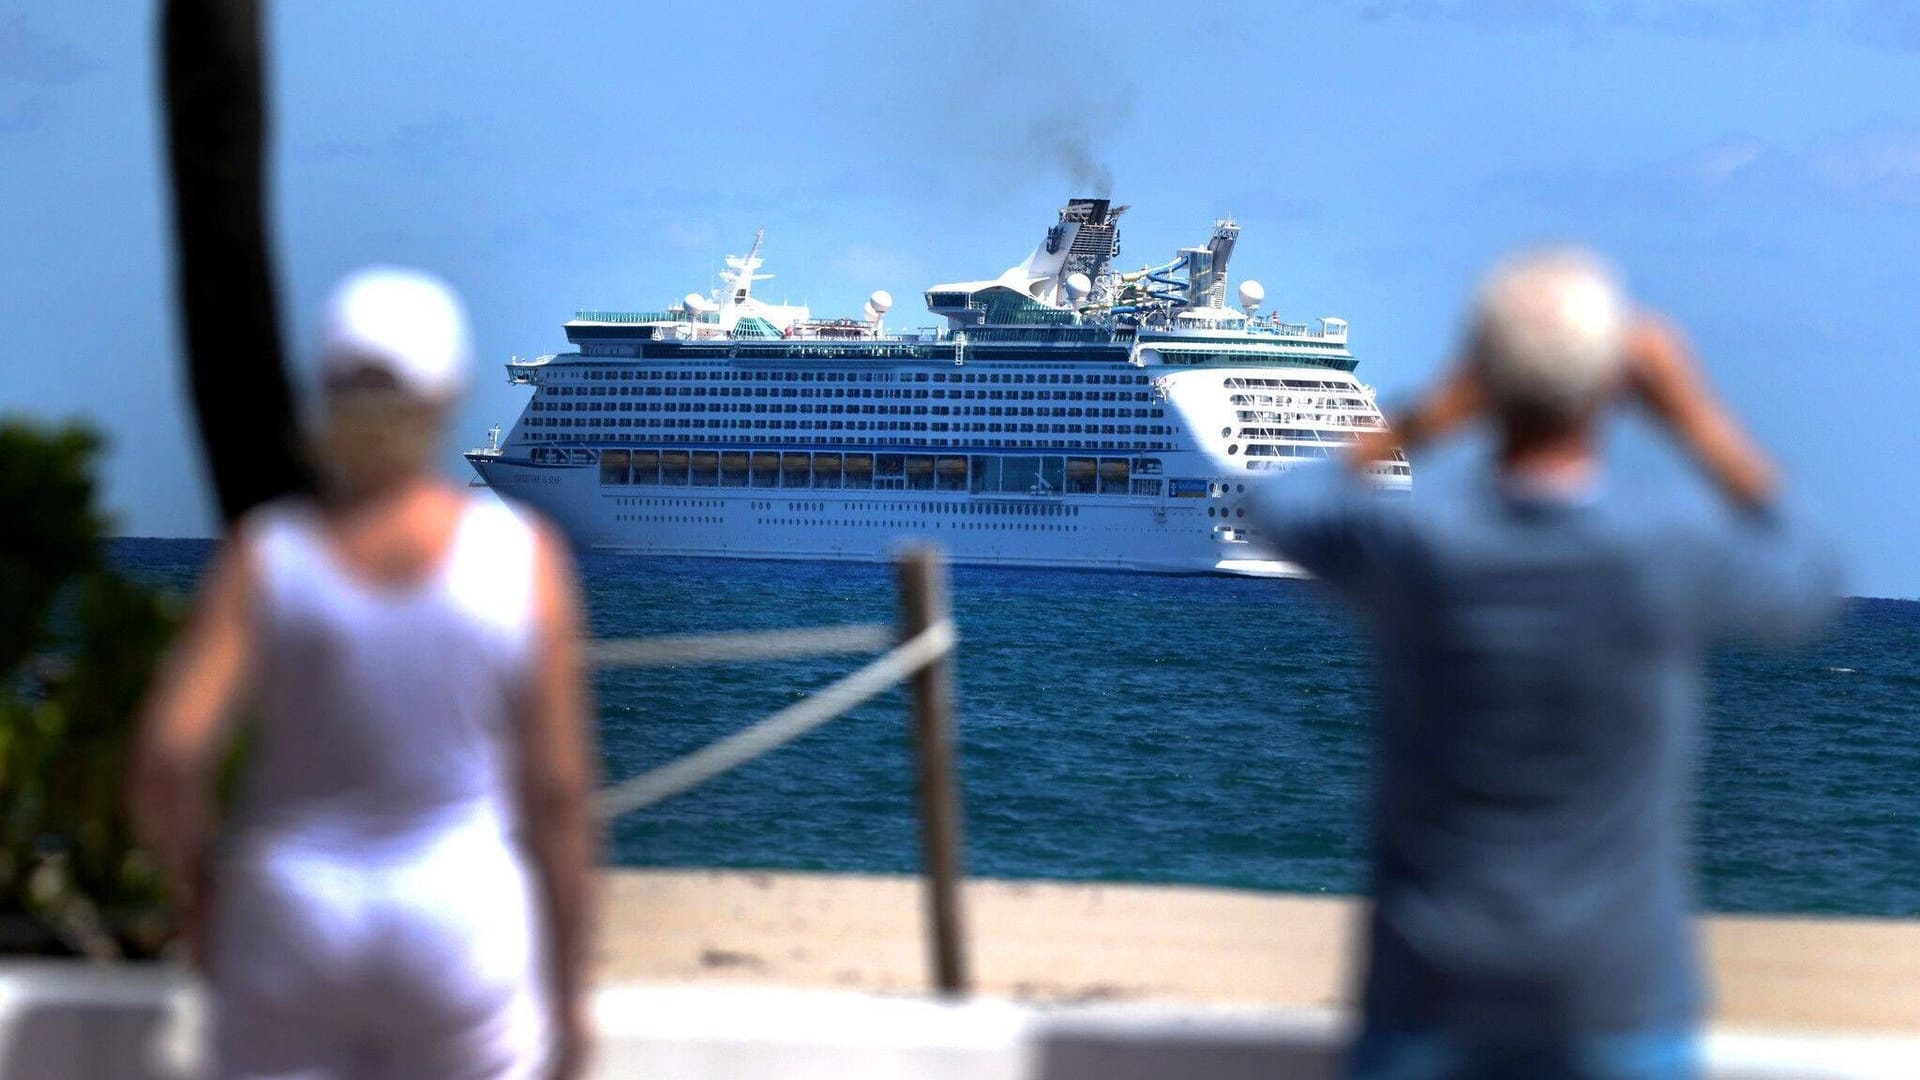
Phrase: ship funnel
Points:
(1089, 231)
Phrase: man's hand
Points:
(1371, 447)
(1454, 402)
(1661, 374)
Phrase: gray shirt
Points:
(1539, 686)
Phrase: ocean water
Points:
(1191, 729)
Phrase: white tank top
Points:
(386, 713)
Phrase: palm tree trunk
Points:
(216, 120)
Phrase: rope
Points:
(782, 727)
(667, 651)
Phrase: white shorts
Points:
(330, 964)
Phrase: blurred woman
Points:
(401, 886)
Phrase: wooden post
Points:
(923, 603)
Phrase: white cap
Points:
(404, 322)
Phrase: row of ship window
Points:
(948, 509)
(1002, 526)
(1273, 400)
(1242, 382)
(1302, 434)
(976, 473)
(1285, 462)
(603, 374)
(849, 425)
(1120, 440)
(1285, 451)
(759, 393)
(1356, 420)
(938, 509)
(549, 405)
(604, 408)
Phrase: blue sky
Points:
(1754, 167)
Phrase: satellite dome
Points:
(881, 301)
(1251, 294)
(1078, 286)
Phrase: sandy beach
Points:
(1066, 942)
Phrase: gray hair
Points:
(1547, 333)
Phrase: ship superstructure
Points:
(1067, 414)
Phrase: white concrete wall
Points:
(75, 1022)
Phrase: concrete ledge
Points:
(746, 976)
(75, 1022)
(61, 1020)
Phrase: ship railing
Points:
(1294, 330)
(1286, 329)
(918, 651)
(925, 336)
(646, 316)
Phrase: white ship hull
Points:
(1088, 532)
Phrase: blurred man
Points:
(1539, 668)
(401, 886)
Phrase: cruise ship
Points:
(1068, 414)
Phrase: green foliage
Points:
(78, 644)
(49, 533)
